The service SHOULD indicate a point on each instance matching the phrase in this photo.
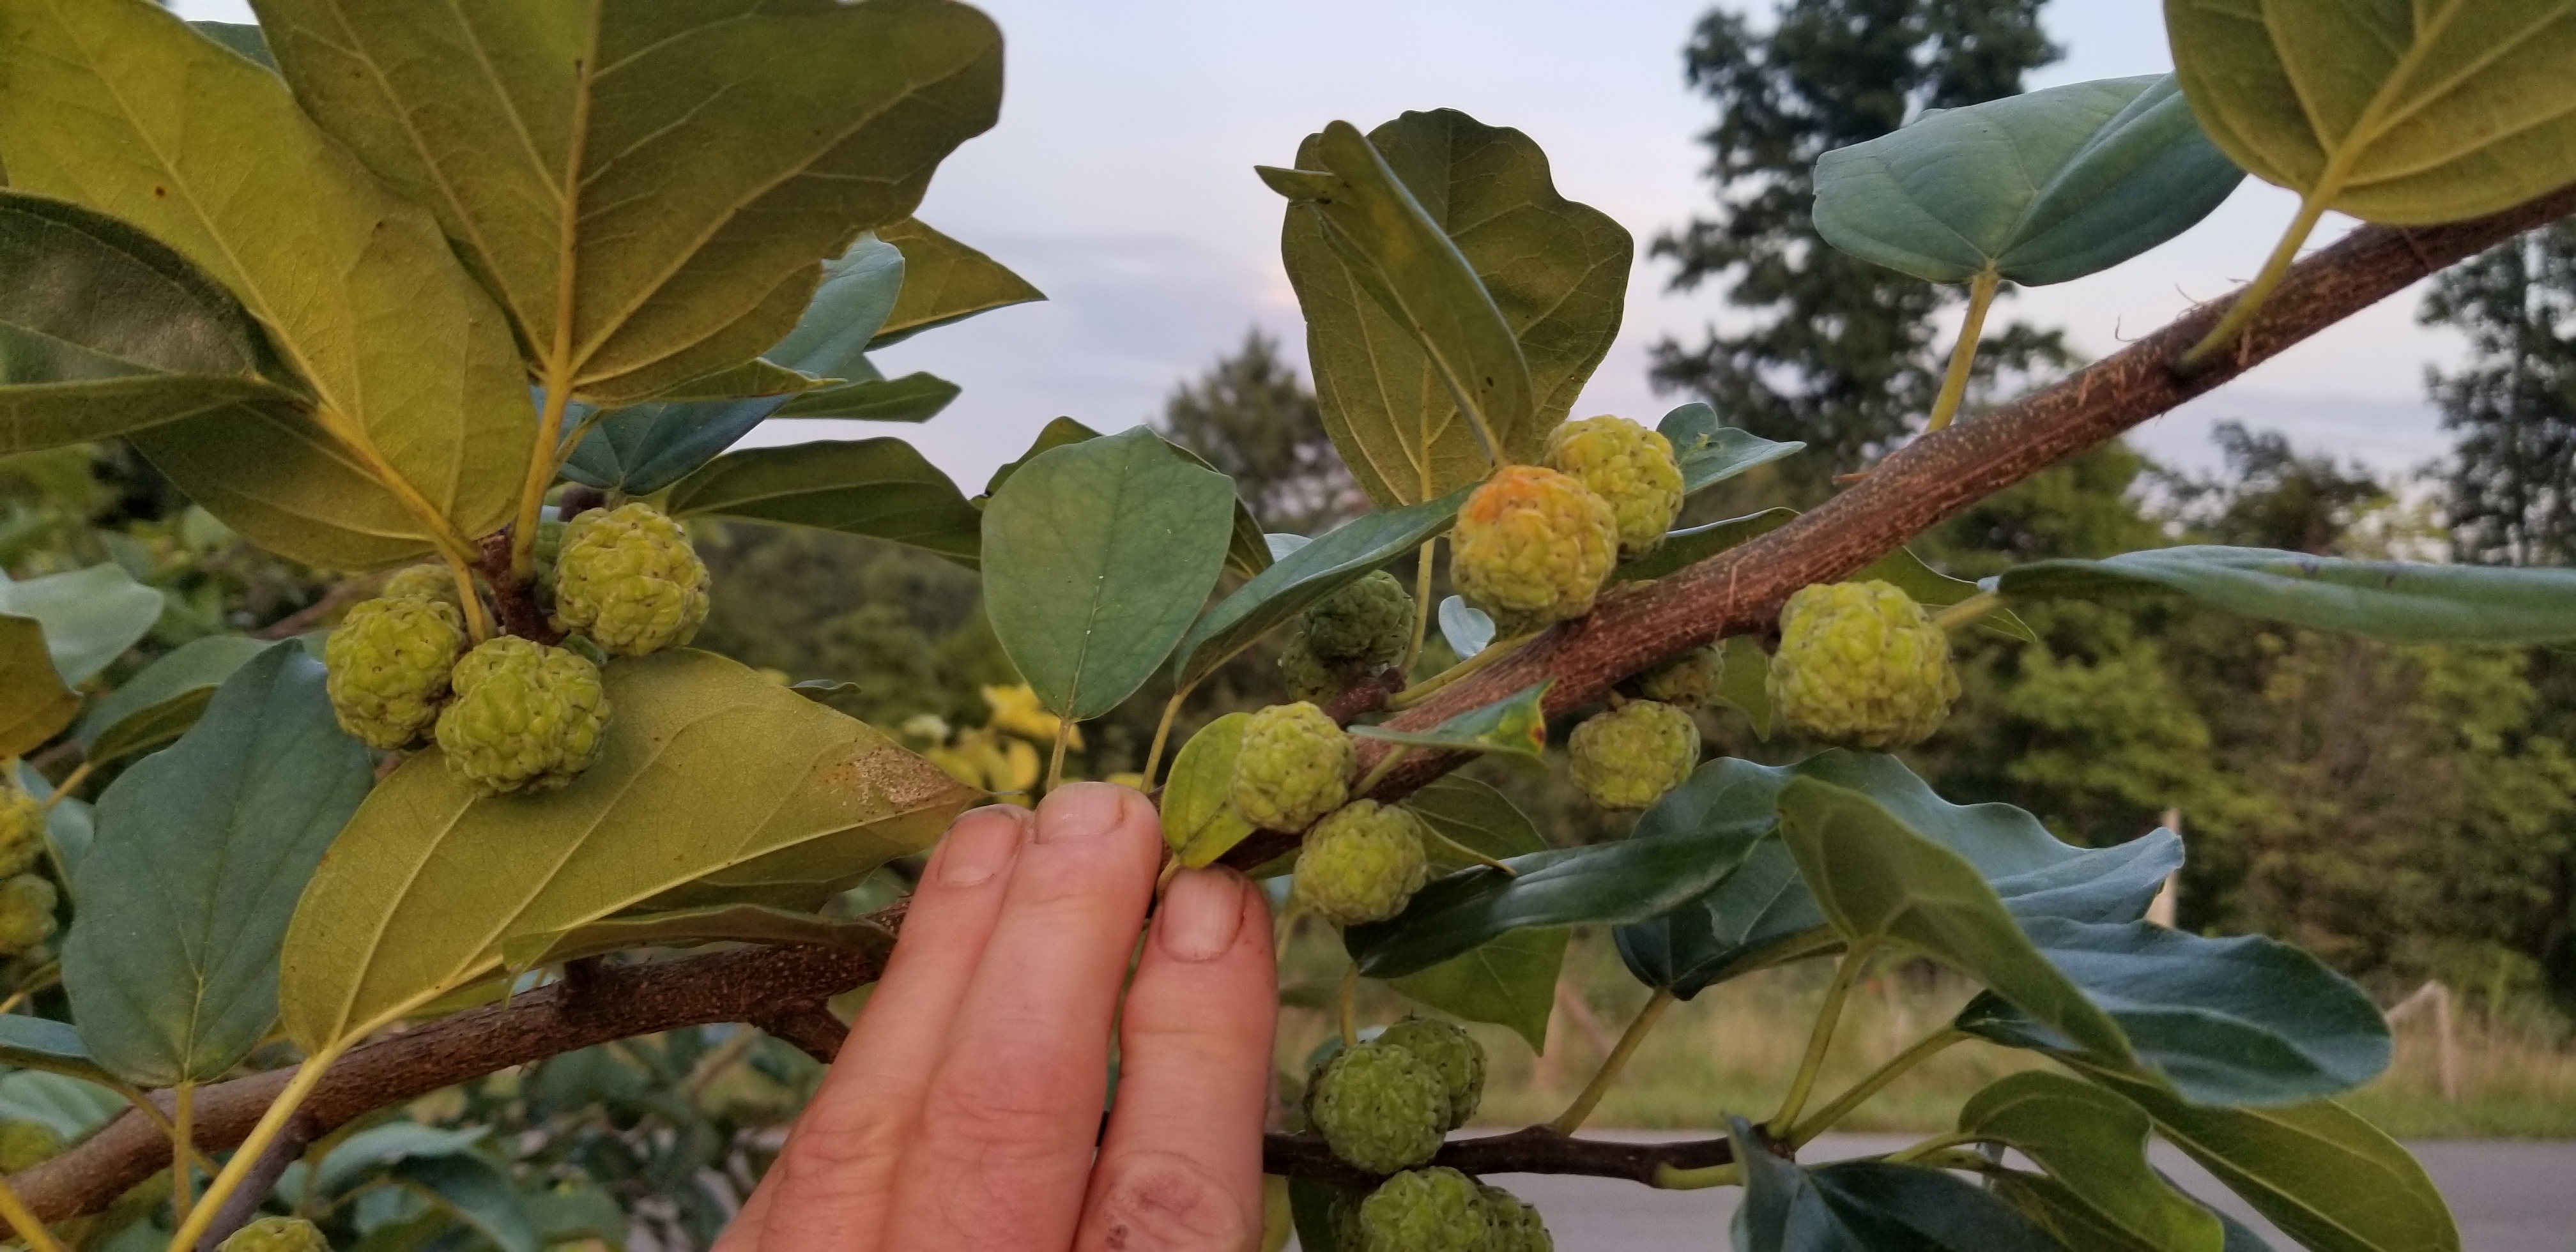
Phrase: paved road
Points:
(2508, 1196)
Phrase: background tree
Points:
(2510, 483)
(1254, 418)
(1834, 350)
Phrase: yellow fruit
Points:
(1532, 547)
(1629, 466)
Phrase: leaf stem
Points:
(478, 627)
(183, 1137)
(46, 975)
(1163, 735)
(1421, 691)
(541, 475)
(1055, 759)
(307, 1076)
(1968, 612)
(1422, 607)
(80, 774)
(1821, 1039)
(23, 1220)
(1675, 1178)
(1385, 766)
(1963, 354)
(1934, 1144)
(1469, 853)
(1572, 1118)
(2241, 313)
(1922, 1049)
(1350, 1013)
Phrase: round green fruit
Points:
(1630, 467)
(1425, 1210)
(1310, 678)
(1861, 665)
(526, 717)
(1688, 681)
(1532, 547)
(1360, 864)
(388, 666)
(1515, 1223)
(277, 1234)
(430, 581)
(22, 829)
(1380, 1108)
(26, 913)
(1628, 757)
(1368, 623)
(1452, 1051)
(628, 579)
(26, 1145)
(1295, 765)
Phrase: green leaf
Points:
(43, 1044)
(241, 37)
(1509, 980)
(1935, 591)
(1877, 880)
(2398, 601)
(2227, 1021)
(1248, 551)
(915, 397)
(2037, 188)
(2408, 112)
(944, 281)
(2324, 1176)
(881, 488)
(477, 1193)
(410, 434)
(1746, 684)
(1317, 569)
(1466, 628)
(1860, 1206)
(1310, 1204)
(70, 1106)
(350, 1160)
(104, 331)
(200, 854)
(1710, 452)
(1684, 548)
(1598, 884)
(34, 702)
(91, 616)
(712, 779)
(161, 703)
(858, 292)
(1516, 724)
(2095, 1145)
(1055, 434)
(1199, 820)
(643, 448)
(1406, 322)
(1097, 556)
(677, 174)
(690, 928)
(1475, 817)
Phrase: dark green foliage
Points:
(1841, 353)
(2511, 479)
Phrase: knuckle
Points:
(1008, 1109)
(1162, 1200)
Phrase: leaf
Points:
(1097, 555)
(1711, 453)
(2407, 112)
(70, 1106)
(477, 1193)
(104, 330)
(1598, 884)
(412, 436)
(69, 823)
(2241, 1021)
(2398, 601)
(1516, 724)
(91, 616)
(944, 281)
(1317, 569)
(858, 291)
(1475, 817)
(881, 488)
(710, 774)
(1310, 1205)
(242, 38)
(165, 699)
(2324, 1176)
(1439, 270)
(34, 703)
(2037, 188)
(1199, 820)
(1466, 628)
(645, 447)
(690, 928)
(43, 1044)
(1509, 980)
(392, 1143)
(200, 854)
(674, 175)
(2094, 1144)
(1248, 551)
(1055, 434)
(1878, 880)
(1746, 682)
(1860, 1206)
(915, 397)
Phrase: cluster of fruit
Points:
(26, 898)
(512, 714)
(1384, 1107)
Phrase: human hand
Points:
(963, 1111)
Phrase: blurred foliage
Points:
(2510, 484)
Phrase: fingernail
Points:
(979, 847)
(1201, 911)
(1080, 811)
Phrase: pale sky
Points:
(1120, 182)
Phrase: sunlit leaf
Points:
(1199, 819)
(1516, 724)
(34, 703)
(881, 488)
(944, 281)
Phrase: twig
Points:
(1536, 1150)
(516, 600)
(809, 1026)
(1573, 1117)
(282, 1151)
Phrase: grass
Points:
(1734, 1048)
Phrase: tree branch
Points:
(1732, 592)
(1937, 475)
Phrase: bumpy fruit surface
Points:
(1295, 765)
(1515, 1223)
(25, 1145)
(1861, 665)
(1628, 757)
(1425, 1210)
(1452, 1051)
(1688, 681)
(277, 1234)
(26, 913)
(1368, 622)
(526, 717)
(1629, 466)
(629, 580)
(432, 581)
(22, 829)
(1381, 1109)
(388, 666)
(1361, 864)
(1310, 678)
(1532, 547)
